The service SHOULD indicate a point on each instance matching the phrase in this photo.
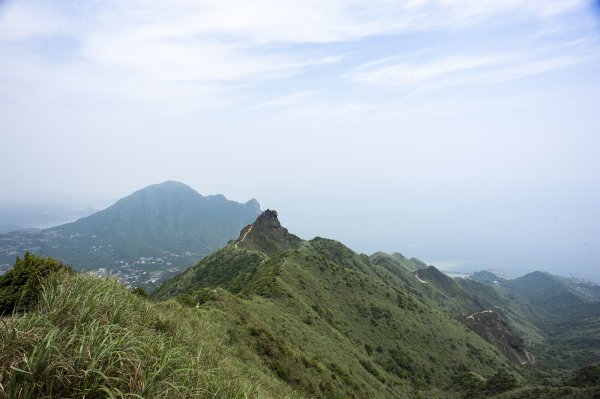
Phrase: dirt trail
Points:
(472, 317)
(244, 236)
(419, 279)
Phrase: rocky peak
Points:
(268, 219)
(267, 235)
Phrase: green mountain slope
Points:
(330, 322)
(442, 292)
(513, 309)
(558, 318)
(309, 319)
(80, 336)
(552, 295)
(396, 262)
(569, 319)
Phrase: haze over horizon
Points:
(462, 133)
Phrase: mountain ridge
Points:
(320, 294)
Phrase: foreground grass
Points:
(90, 338)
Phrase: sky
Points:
(462, 132)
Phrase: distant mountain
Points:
(164, 217)
(160, 227)
(486, 276)
(396, 261)
(552, 294)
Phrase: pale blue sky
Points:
(465, 133)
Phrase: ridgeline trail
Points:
(244, 236)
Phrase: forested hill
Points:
(159, 227)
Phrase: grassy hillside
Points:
(88, 337)
(83, 336)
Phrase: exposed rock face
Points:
(267, 235)
(491, 327)
(268, 220)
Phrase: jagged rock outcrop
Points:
(267, 235)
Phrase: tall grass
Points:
(90, 338)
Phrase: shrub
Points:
(586, 376)
(470, 384)
(501, 382)
(139, 291)
(20, 286)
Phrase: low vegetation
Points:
(90, 337)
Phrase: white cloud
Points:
(154, 50)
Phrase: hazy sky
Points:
(462, 132)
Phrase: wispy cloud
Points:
(459, 69)
(407, 73)
(287, 100)
(527, 69)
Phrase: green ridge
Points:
(272, 316)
